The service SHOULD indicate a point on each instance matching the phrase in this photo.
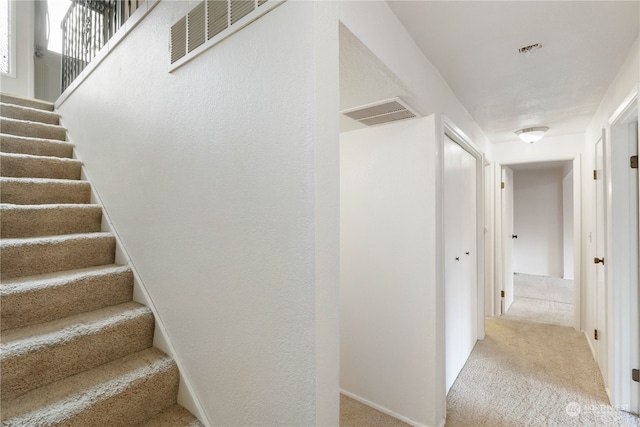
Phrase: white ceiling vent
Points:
(377, 113)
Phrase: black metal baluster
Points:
(87, 27)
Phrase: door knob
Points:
(466, 253)
(598, 261)
(514, 236)
(457, 258)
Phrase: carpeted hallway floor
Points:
(522, 374)
(531, 374)
(542, 299)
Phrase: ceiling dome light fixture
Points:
(532, 135)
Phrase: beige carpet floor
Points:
(542, 299)
(531, 374)
(356, 414)
(522, 374)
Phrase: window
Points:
(57, 10)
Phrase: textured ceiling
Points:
(474, 45)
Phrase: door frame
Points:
(449, 129)
(497, 285)
(623, 253)
(504, 238)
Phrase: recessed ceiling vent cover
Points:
(528, 50)
(377, 113)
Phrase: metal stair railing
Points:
(86, 28)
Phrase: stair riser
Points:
(36, 193)
(32, 115)
(80, 295)
(34, 222)
(26, 167)
(35, 147)
(40, 366)
(30, 103)
(142, 399)
(32, 130)
(48, 257)
(126, 391)
(139, 402)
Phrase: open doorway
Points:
(537, 207)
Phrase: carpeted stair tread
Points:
(75, 350)
(35, 146)
(32, 129)
(43, 298)
(125, 392)
(39, 255)
(30, 166)
(35, 191)
(40, 354)
(26, 102)
(175, 416)
(20, 112)
(48, 220)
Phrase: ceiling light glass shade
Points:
(532, 135)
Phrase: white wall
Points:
(21, 83)
(563, 147)
(388, 328)
(48, 76)
(213, 176)
(567, 225)
(378, 28)
(538, 222)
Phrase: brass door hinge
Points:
(502, 185)
(595, 334)
(634, 162)
(595, 174)
(502, 294)
(635, 375)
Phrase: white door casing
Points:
(507, 236)
(621, 273)
(635, 296)
(599, 269)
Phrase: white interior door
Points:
(507, 237)
(460, 240)
(599, 267)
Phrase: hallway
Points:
(542, 299)
(526, 373)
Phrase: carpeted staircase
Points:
(75, 350)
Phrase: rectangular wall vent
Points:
(240, 9)
(210, 22)
(179, 40)
(217, 17)
(196, 27)
(377, 113)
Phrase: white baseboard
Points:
(593, 351)
(385, 410)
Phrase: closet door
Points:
(460, 241)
